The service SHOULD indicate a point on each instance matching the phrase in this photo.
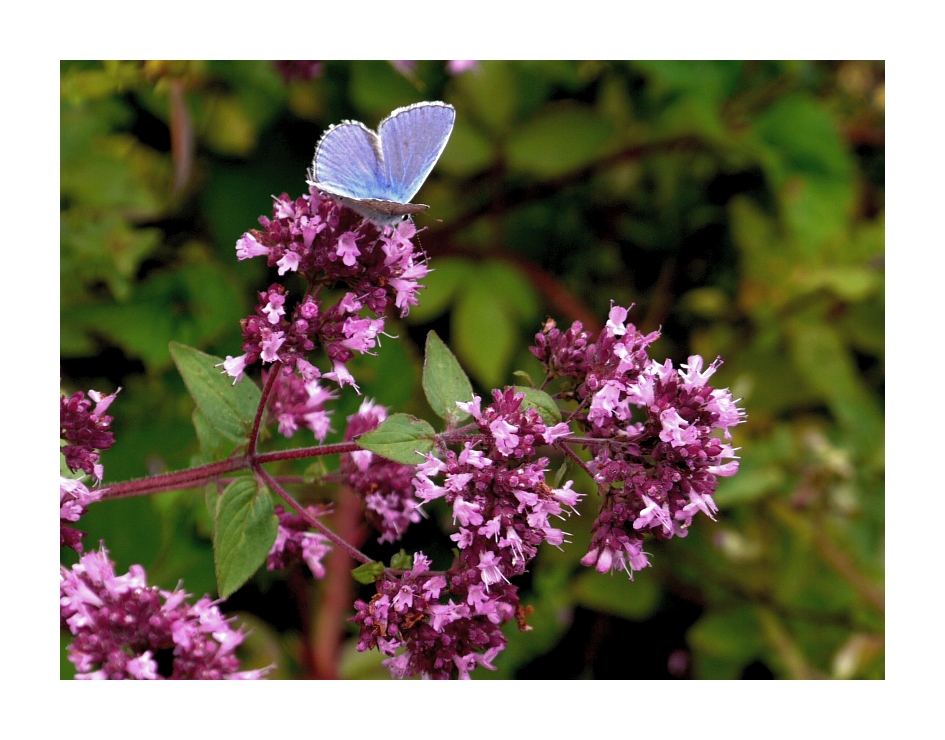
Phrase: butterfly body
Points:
(378, 174)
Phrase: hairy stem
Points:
(310, 520)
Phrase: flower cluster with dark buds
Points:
(385, 486)
(328, 245)
(85, 428)
(657, 451)
(296, 403)
(86, 431)
(496, 488)
(125, 629)
(294, 543)
(415, 621)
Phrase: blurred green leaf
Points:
(440, 288)
(562, 139)
(830, 370)
(401, 560)
(725, 642)
(485, 332)
(468, 152)
(377, 89)
(492, 95)
(619, 596)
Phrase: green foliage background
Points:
(738, 205)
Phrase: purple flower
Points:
(85, 429)
(430, 631)
(385, 487)
(294, 542)
(125, 629)
(657, 455)
(326, 244)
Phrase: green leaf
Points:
(246, 527)
(485, 332)
(749, 485)
(621, 597)
(559, 140)
(211, 497)
(524, 376)
(401, 560)
(213, 445)
(402, 438)
(468, 152)
(440, 287)
(229, 409)
(444, 381)
(543, 403)
(729, 639)
(368, 573)
(830, 370)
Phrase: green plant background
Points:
(738, 205)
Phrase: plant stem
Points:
(270, 382)
(573, 455)
(312, 521)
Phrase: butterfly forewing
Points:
(346, 162)
(412, 140)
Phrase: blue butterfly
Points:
(376, 174)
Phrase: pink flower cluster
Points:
(327, 244)
(657, 452)
(125, 629)
(386, 487)
(500, 501)
(295, 403)
(85, 429)
(424, 633)
(294, 542)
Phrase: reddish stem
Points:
(573, 455)
(174, 481)
(267, 389)
(310, 520)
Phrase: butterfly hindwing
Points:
(412, 140)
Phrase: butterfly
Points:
(377, 174)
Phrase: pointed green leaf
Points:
(401, 560)
(400, 438)
(245, 529)
(444, 381)
(368, 573)
(229, 409)
(543, 403)
(524, 376)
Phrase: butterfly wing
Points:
(347, 163)
(412, 140)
